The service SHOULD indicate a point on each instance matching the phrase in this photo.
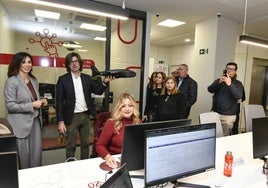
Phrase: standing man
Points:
(188, 86)
(74, 104)
(228, 91)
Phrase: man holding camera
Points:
(228, 92)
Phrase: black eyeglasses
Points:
(74, 62)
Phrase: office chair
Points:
(10, 138)
(5, 127)
(212, 117)
(252, 111)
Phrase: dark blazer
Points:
(65, 96)
(189, 88)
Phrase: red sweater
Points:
(109, 141)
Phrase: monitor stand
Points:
(190, 185)
(265, 166)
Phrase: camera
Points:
(224, 72)
(157, 15)
(218, 14)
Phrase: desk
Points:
(79, 173)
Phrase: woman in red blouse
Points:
(111, 139)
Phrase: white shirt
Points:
(80, 102)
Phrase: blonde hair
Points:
(164, 89)
(116, 114)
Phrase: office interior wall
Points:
(244, 57)
(126, 55)
(7, 36)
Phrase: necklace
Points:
(167, 97)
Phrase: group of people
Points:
(74, 106)
(168, 97)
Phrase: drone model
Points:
(117, 73)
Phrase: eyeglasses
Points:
(74, 62)
(230, 69)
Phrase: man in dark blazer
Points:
(74, 104)
(188, 86)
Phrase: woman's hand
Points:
(44, 102)
(111, 161)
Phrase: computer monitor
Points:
(8, 143)
(9, 170)
(260, 138)
(133, 143)
(177, 152)
(120, 178)
(48, 91)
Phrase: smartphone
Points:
(224, 72)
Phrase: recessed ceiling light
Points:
(100, 38)
(170, 23)
(47, 14)
(187, 40)
(82, 50)
(92, 27)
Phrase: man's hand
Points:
(61, 127)
(226, 79)
(107, 79)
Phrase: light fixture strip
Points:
(100, 38)
(92, 27)
(253, 41)
(81, 10)
(47, 14)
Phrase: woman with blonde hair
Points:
(172, 102)
(111, 139)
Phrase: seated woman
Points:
(111, 138)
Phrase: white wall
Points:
(244, 55)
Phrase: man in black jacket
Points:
(188, 86)
(74, 104)
(228, 92)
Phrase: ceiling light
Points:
(71, 45)
(187, 40)
(253, 41)
(89, 7)
(82, 50)
(92, 27)
(47, 14)
(100, 38)
(249, 39)
(170, 23)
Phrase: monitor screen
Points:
(8, 143)
(133, 144)
(120, 178)
(176, 152)
(259, 137)
(9, 170)
(47, 90)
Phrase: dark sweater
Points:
(109, 141)
(171, 107)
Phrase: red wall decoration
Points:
(48, 43)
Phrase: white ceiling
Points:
(189, 11)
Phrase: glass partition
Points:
(21, 30)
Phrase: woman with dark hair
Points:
(152, 94)
(23, 104)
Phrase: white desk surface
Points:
(247, 172)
